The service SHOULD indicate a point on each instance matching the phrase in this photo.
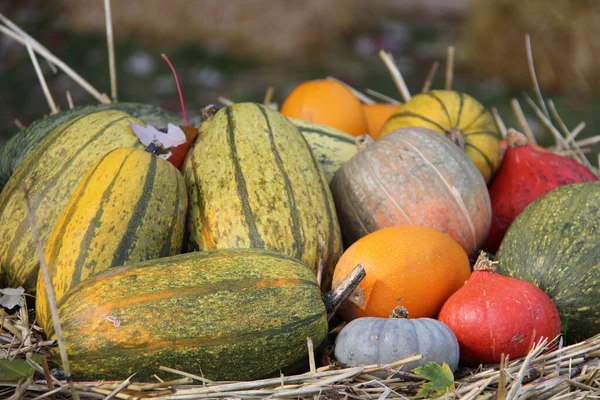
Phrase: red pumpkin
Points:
(526, 173)
(493, 315)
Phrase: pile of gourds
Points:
(219, 266)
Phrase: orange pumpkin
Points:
(326, 102)
(412, 177)
(377, 115)
(415, 267)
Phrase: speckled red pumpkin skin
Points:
(525, 174)
(494, 314)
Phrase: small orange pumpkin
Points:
(326, 102)
(415, 267)
(377, 115)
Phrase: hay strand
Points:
(382, 97)
(49, 289)
(518, 111)
(390, 64)
(40, 75)
(361, 96)
(110, 43)
(536, 86)
(449, 68)
(225, 101)
(499, 122)
(269, 96)
(430, 77)
(119, 388)
(22, 38)
(70, 100)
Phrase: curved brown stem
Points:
(457, 137)
(334, 298)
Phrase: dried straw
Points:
(361, 96)
(20, 36)
(449, 68)
(111, 51)
(430, 76)
(390, 64)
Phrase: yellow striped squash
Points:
(229, 314)
(129, 207)
(460, 117)
(253, 182)
(332, 147)
(52, 171)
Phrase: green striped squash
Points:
(15, 150)
(237, 314)
(253, 182)
(51, 172)
(555, 244)
(129, 207)
(458, 116)
(332, 147)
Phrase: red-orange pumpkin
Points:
(413, 177)
(326, 102)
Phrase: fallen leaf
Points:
(11, 297)
(440, 379)
(14, 370)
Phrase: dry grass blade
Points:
(499, 122)
(449, 68)
(430, 77)
(516, 384)
(390, 64)
(70, 100)
(40, 75)
(21, 388)
(518, 111)
(111, 51)
(49, 289)
(119, 388)
(177, 372)
(159, 385)
(269, 95)
(19, 124)
(575, 132)
(225, 101)
(41, 50)
(361, 96)
(321, 385)
(536, 86)
(560, 141)
(382, 97)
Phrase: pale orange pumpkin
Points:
(412, 177)
(326, 102)
(377, 115)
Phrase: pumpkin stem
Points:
(399, 312)
(363, 141)
(334, 298)
(457, 137)
(185, 120)
(484, 263)
(515, 138)
(209, 112)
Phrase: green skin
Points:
(555, 244)
(52, 171)
(253, 182)
(15, 150)
(239, 314)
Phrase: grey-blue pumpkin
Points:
(370, 340)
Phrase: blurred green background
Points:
(238, 49)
